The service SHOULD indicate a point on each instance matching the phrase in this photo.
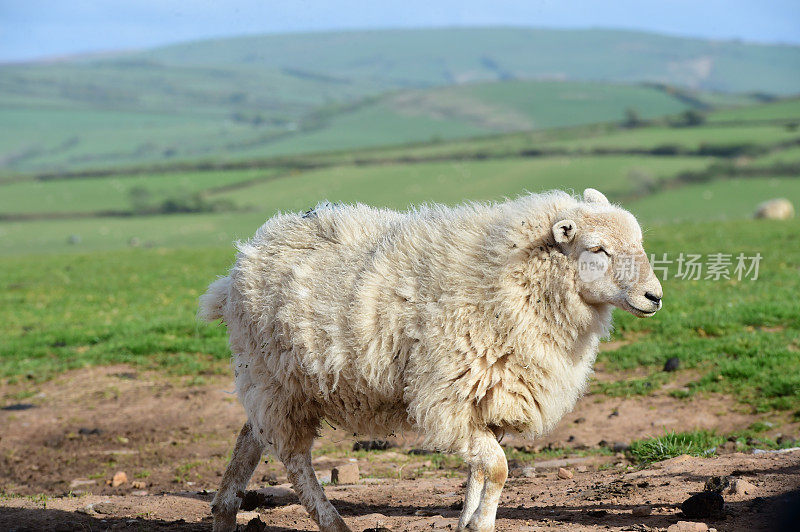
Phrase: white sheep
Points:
(459, 323)
(775, 209)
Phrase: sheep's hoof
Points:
(474, 527)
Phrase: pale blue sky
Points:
(44, 28)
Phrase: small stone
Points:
(345, 474)
(138, 485)
(566, 474)
(642, 511)
(740, 486)
(705, 504)
(426, 513)
(672, 364)
(140, 493)
(688, 526)
(119, 479)
(580, 420)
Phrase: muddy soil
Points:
(63, 442)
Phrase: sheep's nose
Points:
(652, 297)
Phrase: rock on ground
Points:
(119, 479)
(345, 474)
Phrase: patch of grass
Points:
(135, 307)
(671, 444)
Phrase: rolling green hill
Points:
(425, 57)
(280, 94)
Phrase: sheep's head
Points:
(606, 243)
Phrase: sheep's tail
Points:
(212, 303)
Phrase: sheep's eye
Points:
(599, 249)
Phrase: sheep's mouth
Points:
(636, 311)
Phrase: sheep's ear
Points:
(564, 231)
(591, 195)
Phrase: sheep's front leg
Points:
(302, 476)
(246, 455)
(486, 455)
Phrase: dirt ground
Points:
(63, 441)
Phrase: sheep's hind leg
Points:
(486, 455)
(246, 455)
(302, 476)
(472, 497)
